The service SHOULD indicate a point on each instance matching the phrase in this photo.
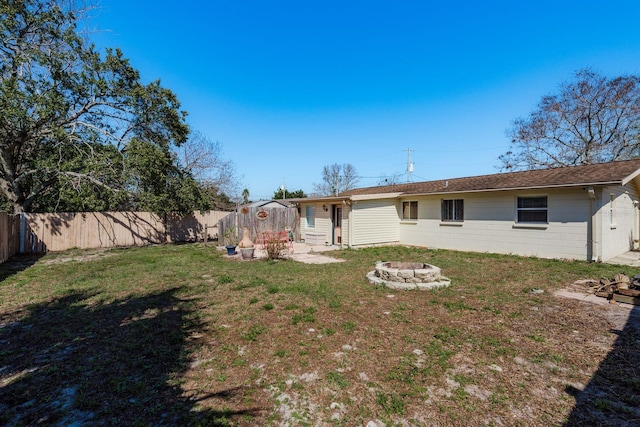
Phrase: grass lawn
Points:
(182, 335)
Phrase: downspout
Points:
(636, 232)
(342, 226)
(350, 222)
(594, 226)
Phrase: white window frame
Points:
(310, 216)
(456, 210)
(544, 209)
(413, 210)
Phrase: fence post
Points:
(23, 227)
(166, 229)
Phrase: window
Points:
(452, 210)
(409, 210)
(311, 216)
(532, 209)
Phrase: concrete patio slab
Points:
(308, 254)
(631, 258)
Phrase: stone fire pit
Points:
(407, 275)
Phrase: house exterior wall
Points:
(324, 224)
(578, 226)
(322, 227)
(374, 222)
(618, 220)
(490, 224)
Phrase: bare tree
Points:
(388, 180)
(593, 119)
(203, 158)
(336, 178)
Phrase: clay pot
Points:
(246, 240)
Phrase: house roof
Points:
(620, 173)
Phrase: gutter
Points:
(593, 242)
(349, 221)
(373, 196)
(487, 190)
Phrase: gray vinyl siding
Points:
(375, 222)
(322, 222)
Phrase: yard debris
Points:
(621, 288)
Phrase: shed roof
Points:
(619, 172)
(269, 204)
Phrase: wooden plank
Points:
(629, 292)
(626, 299)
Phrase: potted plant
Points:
(230, 240)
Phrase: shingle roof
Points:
(568, 176)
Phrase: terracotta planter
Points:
(246, 239)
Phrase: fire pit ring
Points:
(407, 275)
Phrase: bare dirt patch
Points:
(78, 256)
(619, 314)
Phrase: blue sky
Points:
(291, 86)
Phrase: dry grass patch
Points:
(181, 335)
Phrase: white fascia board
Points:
(630, 177)
(311, 200)
(376, 196)
(538, 187)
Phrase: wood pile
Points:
(621, 289)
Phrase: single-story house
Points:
(585, 212)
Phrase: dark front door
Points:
(337, 225)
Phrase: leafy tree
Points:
(286, 194)
(177, 191)
(79, 130)
(593, 119)
(70, 192)
(245, 195)
(337, 178)
(219, 200)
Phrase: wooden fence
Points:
(62, 231)
(260, 220)
(9, 236)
